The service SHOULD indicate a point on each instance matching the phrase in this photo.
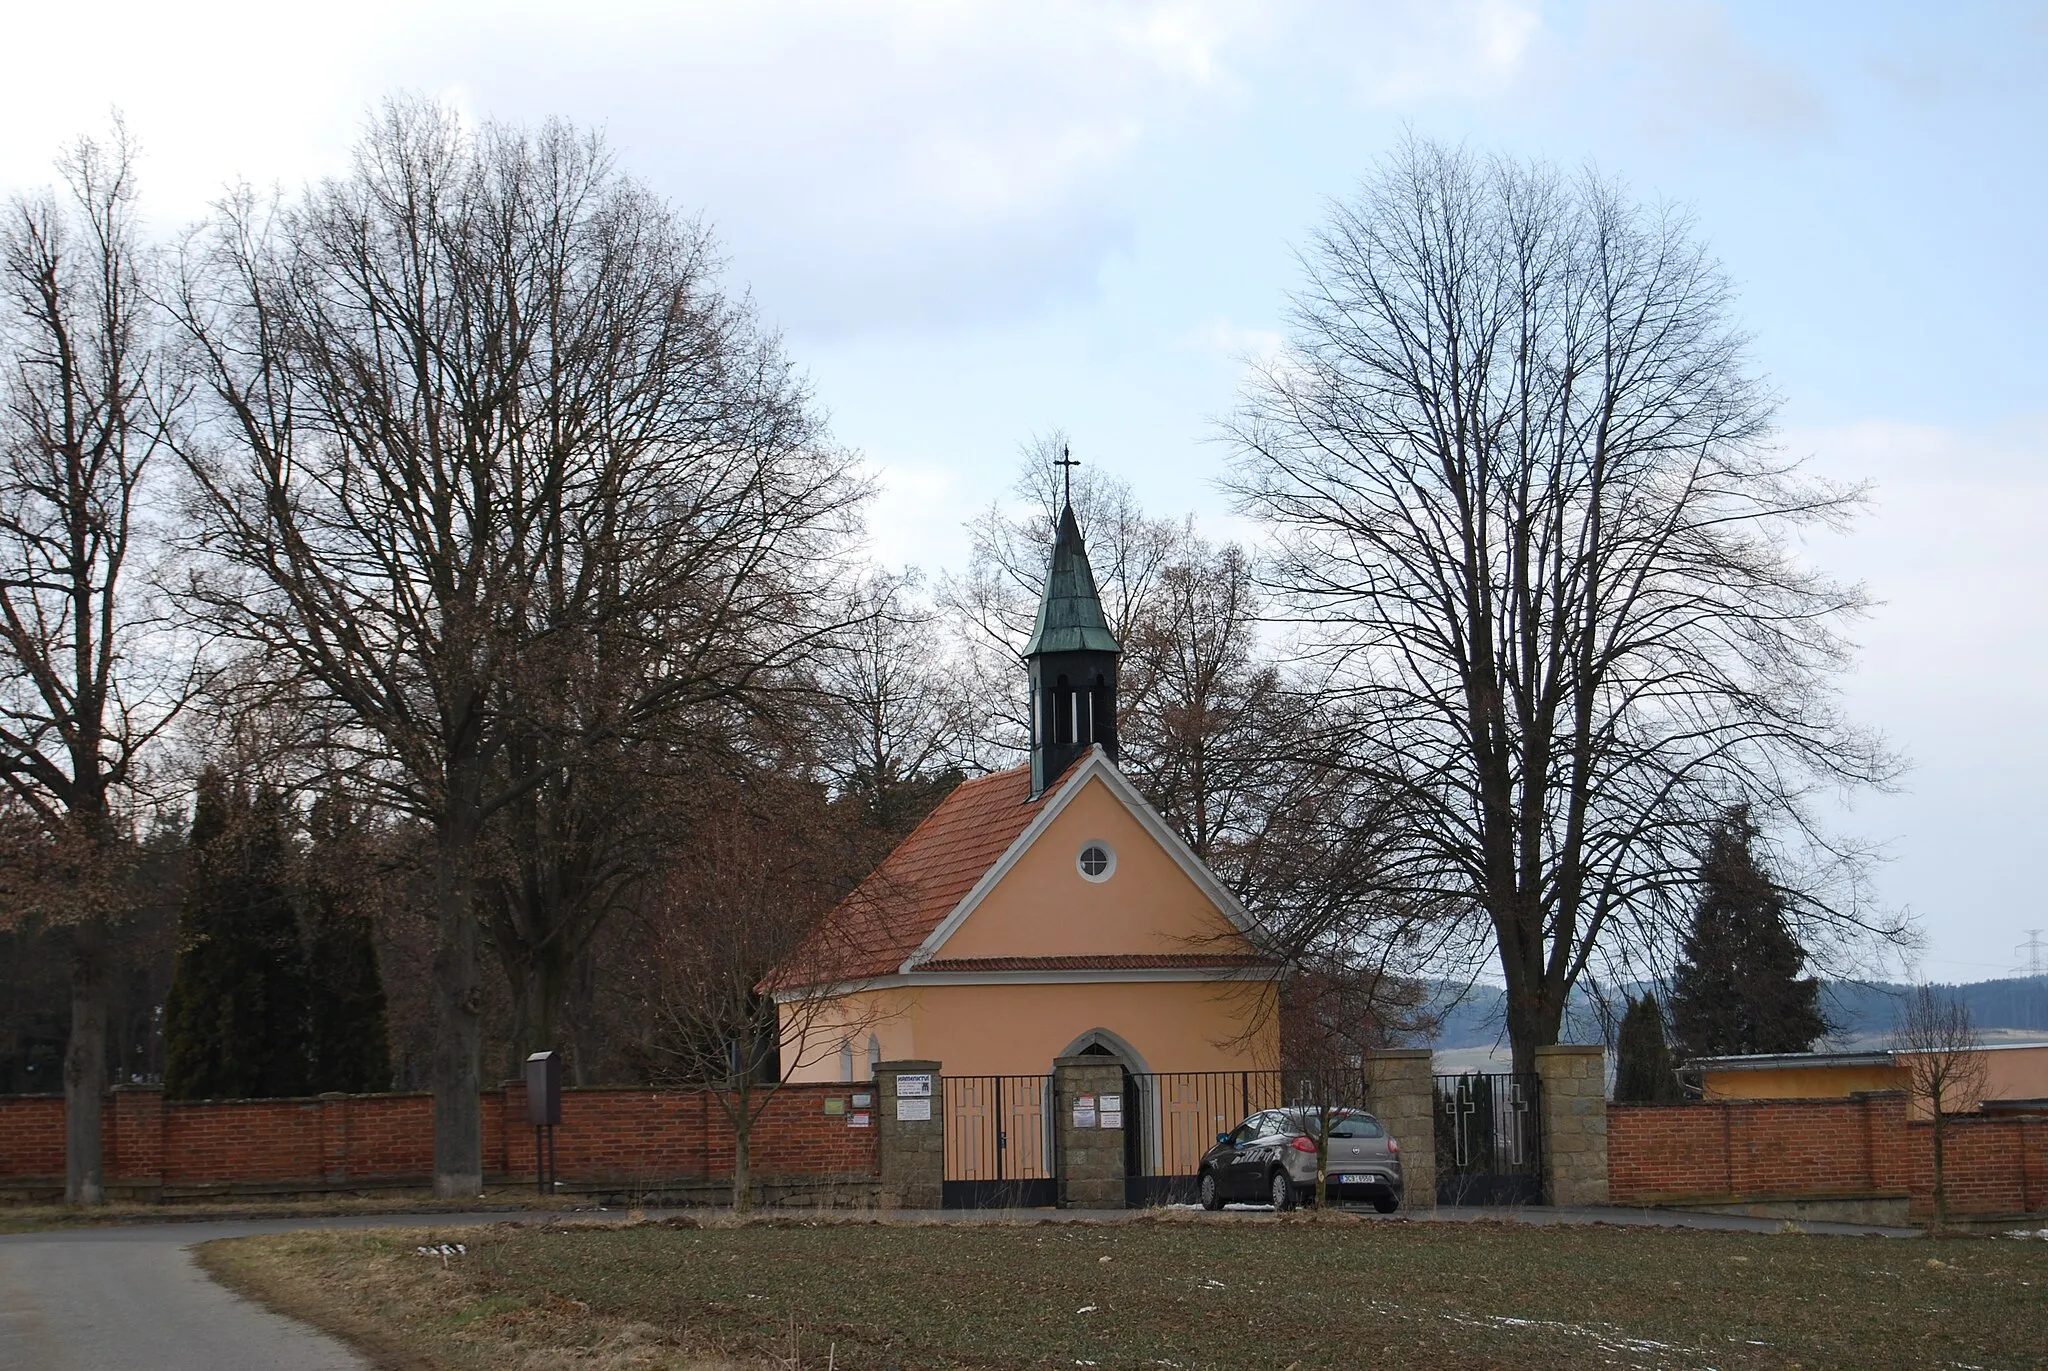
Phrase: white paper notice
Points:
(918, 1084)
(914, 1110)
(1084, 1111)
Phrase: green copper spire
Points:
(1070, 615)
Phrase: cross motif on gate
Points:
(1460, 1101)
(1517, 1120)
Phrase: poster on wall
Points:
(1084, 1111)
(857, 1120)
(1112, 1111)
(917, 1110)
(917, 1083)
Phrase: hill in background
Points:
(1473, 1036)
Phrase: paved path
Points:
(132, 1298)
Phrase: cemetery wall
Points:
(1761, 1151)
(610, 1140)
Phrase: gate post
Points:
(1574, 1094)
(1401, 1093)
(910, 1136)
(1091, 1157)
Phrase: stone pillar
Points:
(1400, 1090)
(1091, 1157)
(910, 1152)
(1574, 1090)
(333, 1137)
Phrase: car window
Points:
(1357, 1126)
(1247, 1130)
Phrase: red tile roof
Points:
(872, 931)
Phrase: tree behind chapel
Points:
(1738, 988)
(235, 1019)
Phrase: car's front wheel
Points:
(1212, 1193)
(1282, 1192)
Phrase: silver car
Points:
(1271, 1158)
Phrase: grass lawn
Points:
(1232, 1292)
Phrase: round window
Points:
(1097, 861)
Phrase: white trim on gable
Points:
(1095, 766)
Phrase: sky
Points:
(975, 223)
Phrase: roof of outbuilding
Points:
(1070, 617)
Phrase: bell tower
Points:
(1072, 657)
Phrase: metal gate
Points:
(999, 1143)
(1172, 1118)
(1489, 1139)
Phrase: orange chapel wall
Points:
(1043, 907)
(978, 1030)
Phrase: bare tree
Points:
(743, 995)
(1943, 1059)
(893, 719)
(83, 688)
(495, 470)
(1334, 1011)
(1204, 700)
(1526, 506)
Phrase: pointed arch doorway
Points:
(1100, 1042)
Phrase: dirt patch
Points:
(1178, 1294)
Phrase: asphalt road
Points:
(132, 1298)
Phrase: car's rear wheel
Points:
(1212, 1193)
(1282, 1192)
(1386, 1204)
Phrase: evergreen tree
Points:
(1644, 1072)
(349, 1044)
(1738, 987)
(235, 1019)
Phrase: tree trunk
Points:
(85, 1064)
(458, 1031)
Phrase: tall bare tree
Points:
(1521, 480)
(1945, 1071)
(86, 407)
(493, 466)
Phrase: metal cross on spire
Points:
(1067, 464)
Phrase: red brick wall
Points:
(1776, 1149)
(605, 1135)
(1993, 1166)
(31, 1136)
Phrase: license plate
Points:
(1354, 1180)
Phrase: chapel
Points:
(1038, 912)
